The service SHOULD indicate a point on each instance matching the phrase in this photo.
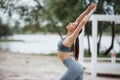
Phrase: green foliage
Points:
(68, 10)
(6, 40)
(5, 30)
(47, 29)
(117, 29)
(86, 54)
(118, 55)
(31, 28)
(52, 54)
(16, 29)
(36, 28)
(65, 10)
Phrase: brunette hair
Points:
(75, 48)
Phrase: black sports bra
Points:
(63, 48)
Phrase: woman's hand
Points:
(92, 6)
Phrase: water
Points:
(39, 43)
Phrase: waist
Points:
(64, 55)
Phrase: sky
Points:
(15, 16)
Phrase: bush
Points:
(5, 30)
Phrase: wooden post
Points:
(94, 47)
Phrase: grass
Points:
(7, 40)
(101, 55)
(88, 55)
(52, 54)
(118, 55)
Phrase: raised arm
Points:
(78, 20)
(82, 20)
(81, 24)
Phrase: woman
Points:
(71, 44)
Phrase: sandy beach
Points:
(17, 66)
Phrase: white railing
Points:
(112, 60)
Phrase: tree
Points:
(4, 30)
(67, 11)
(39, 6)
(106, 7)
(30, 14)
(116, 7)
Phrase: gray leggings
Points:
(74, 72)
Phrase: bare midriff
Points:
(63, 55)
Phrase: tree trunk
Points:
(100, 32)
(49, 17)
(88, 37)
(113, 37)
(2, 4)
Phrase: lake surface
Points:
(40, 43)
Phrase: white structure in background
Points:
(94, 66)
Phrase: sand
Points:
(19, 66)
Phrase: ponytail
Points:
(75, 49)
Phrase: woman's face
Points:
(71, 27)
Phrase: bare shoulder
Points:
(68, 41)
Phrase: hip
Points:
(72, 64)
